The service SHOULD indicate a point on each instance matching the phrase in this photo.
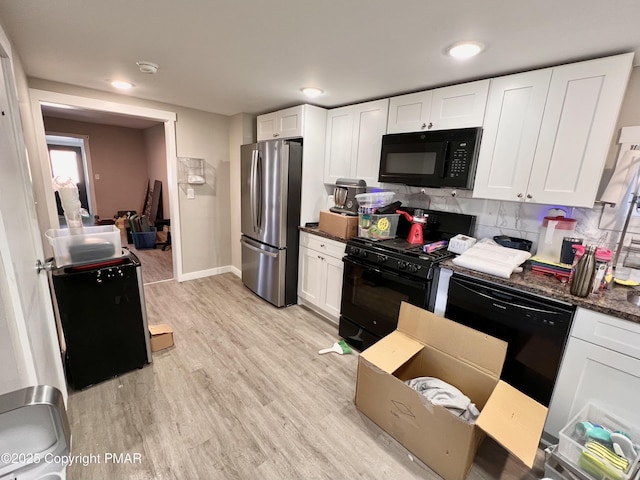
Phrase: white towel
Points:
(442, 393)
(623, 174)
(492, 259)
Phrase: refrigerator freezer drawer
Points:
(263, 270)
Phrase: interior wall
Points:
(118, 160)
(205, 235)
(207, 215)
(156, 152)
(242, 130)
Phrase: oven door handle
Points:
(413, 281)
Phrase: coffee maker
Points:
(344, 195)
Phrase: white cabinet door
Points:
(590, 372)
(511, 127)
(267, 126)
(287, 123)
(582, 109)
(409, 113)
(309, 271)
(459, 106)
(332, 285)
(337, 163)
(370, 123)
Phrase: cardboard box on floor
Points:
(425, 344)
(341, 226)
(161, 336)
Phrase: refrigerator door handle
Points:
(252, 181)
(259, 250)
(259, 183)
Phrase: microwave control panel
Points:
(459, 160)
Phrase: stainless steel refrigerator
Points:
(271, 175)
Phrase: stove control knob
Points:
(364, 253)
(381, 258)
(402, 265)
(414, 268)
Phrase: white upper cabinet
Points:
(511, 128)
(354, 141)
(410, 113)
(457, 106)
(287, 123)
(547, 132)
(579, 119)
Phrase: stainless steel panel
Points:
(263, 270)
(264, 170)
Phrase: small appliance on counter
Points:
(344, 195)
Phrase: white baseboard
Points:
(208, 273)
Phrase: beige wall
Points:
(241, 131)
(205, 221)
(156, 152)
(118, 156)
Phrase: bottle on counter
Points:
(582, 282)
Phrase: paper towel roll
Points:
(623, 175)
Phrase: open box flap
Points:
(392, 351)
(160, 329)
(514, 420)
(476, 348)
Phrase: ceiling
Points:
(253, 56)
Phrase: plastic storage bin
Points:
(375, 199)
(371, 225)
(142, 240)
(574, 448)
(95, 244)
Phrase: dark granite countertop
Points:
(612, 301)
(315, 231)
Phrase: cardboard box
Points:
(341, 226)
(427, 345)
(161, 336)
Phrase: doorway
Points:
(114, 114)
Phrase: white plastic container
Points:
(375, 199)
(572, 447)
(95, 244)
(552, 233)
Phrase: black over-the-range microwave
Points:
(439, 158)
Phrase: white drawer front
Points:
(322, 244)
(610, 332)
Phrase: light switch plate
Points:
(191, 193)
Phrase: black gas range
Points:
(380, 274)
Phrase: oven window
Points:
(414, 163)
(371, 298)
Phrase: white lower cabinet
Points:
(601, 364)
(320, 274)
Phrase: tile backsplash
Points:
(599, 225)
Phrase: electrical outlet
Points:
(191, 193)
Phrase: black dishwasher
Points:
(535, 328)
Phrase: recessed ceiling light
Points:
(311, 92)
(464, 50)
(121, 85)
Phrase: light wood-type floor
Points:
(243, 394)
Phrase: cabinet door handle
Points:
(321, 258)
(424, 125)
(430, 125)
(276, 134)
(520, 195)
(322, 245)
(529, 195)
